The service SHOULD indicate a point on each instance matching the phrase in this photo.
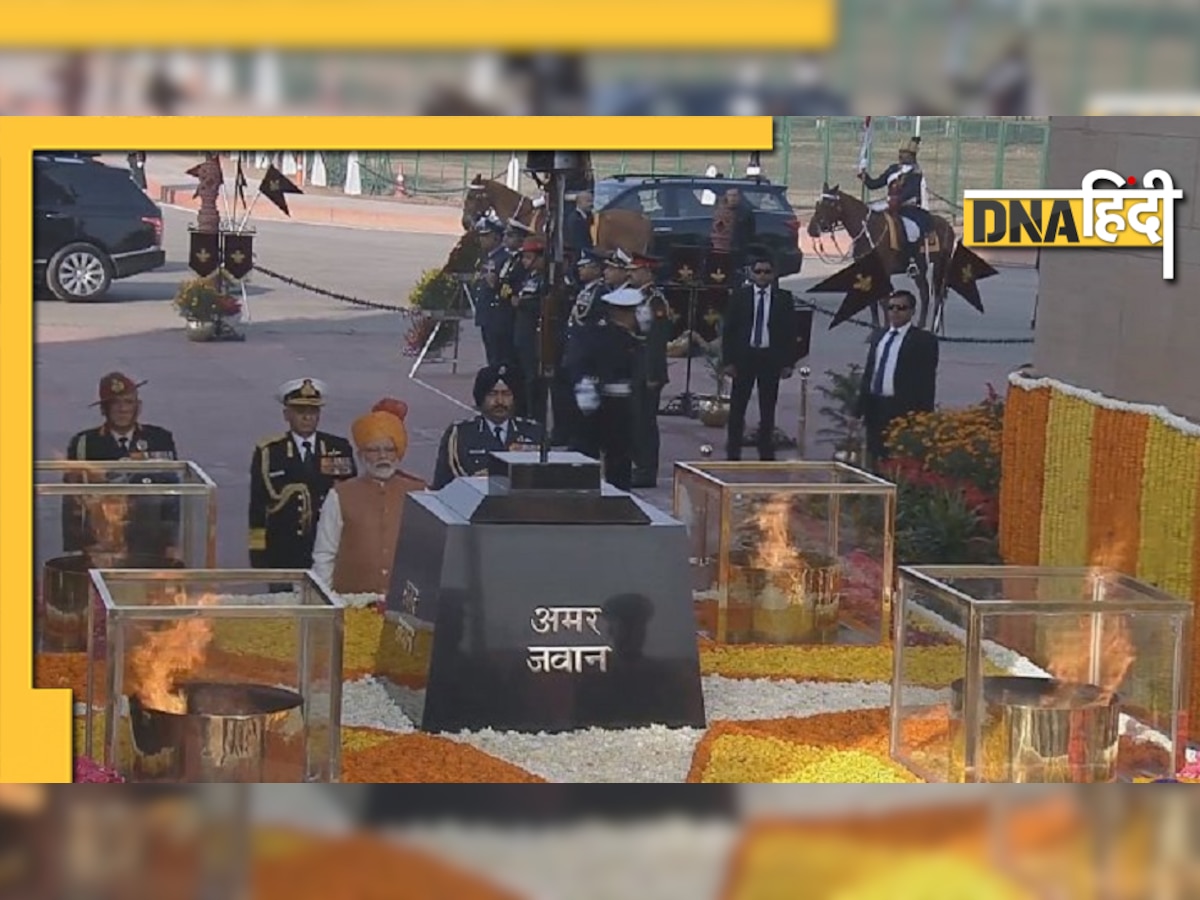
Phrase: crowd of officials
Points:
(611, 357)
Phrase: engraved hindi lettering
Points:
(406, 636)
(547, 619)
(567, 659)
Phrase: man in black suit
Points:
(758, 347)
(900, 375)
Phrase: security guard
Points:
(289, 477)
(493, 315)
(528, 302)
(465, 445)
(604, 365)
(151, 523)
(654, 326)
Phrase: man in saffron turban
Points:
(360, 520)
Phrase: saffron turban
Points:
(377, 426)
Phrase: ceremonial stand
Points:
(452, 318)
(215, 246)
(695, 269)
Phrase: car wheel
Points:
(79, 272)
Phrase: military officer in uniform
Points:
(289, 477)
(603, 366)
(493, 315)
(903, 180)
(151, 524)
(465, 445)
(654, 330)
(590, 275)
(528, 304)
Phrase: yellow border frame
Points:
(786, 25)
(35, 725)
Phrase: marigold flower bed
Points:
(290, 865)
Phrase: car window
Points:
(765, 201)
(96, 184)
(49, 192)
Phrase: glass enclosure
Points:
(128, 514)
(219, 675)
(793, 552)
(1008, 674)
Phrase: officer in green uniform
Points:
(151, 524)
(654, 329)
(465, 445)
(290, 474)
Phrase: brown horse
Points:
(625, 229)
(489, 195)
(870, 229)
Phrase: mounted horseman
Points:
(904, 181)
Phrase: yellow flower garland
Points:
(1171, 472)
(1100, 461)
(1064, 529)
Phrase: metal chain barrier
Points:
(944, 340)
(334, 295)
(409, 312)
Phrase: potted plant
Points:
(714, 410)
(434, 299)
(840, 411)
(207, 308)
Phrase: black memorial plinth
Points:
(556, 601)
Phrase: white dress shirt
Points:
(765, 343)
(889, 371)
(299, 442)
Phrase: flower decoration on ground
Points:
(946, 465)
(88, 771)
(201, 300)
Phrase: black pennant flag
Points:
(239, 185)
(204, 253)
(865, 281)
(238, 254)
(275, 185)
(963, 273)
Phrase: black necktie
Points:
(307, 455)
(500, 433)
(760, 310)
(123, 443)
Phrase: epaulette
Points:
(267, 442)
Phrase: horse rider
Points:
(493, 315)
(903, 180)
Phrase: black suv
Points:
(91, 225)
(681, 209)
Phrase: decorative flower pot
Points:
(714, 412)
(200, 331)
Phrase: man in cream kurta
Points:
(360, 519)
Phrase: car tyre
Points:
(79, 272)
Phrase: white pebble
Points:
(373, 703)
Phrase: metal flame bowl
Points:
(229, 733)
(785, 604)
(66, 590)
(1040, 731)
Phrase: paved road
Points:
(218, 398)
